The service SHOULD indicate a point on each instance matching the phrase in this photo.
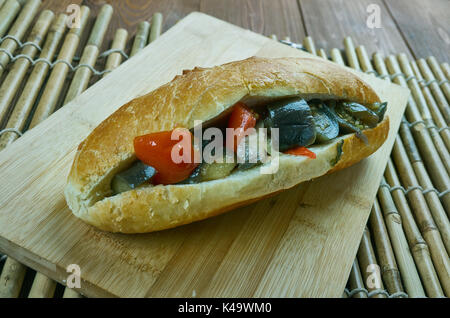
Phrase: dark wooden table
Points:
(419, 28)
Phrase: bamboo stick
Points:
(418, 246)
(11, 278)
(404, 163)
(435, 89)
(446, 69)
(364, 61)
(15, 273)
(52, 92)
(380, 66)
(442, 263)
(442, 183)
(366, 255)
(424, 111)
(8, 12)
(355, 280)
(435, 167)
(156, 27)
(393, 221)
(79, 84)
(436, 242)
(70, 293)
(100, 26)
(367, 259)
(322, 54)
(337, 57)
(82, 76)
(438, 118)
(15, 76)
(440, 76)
(350, 53)
(308, 43)
(18, 29)
(421, 172)
(43, 287)
(119, 42)
(405, 261)
(140, 40)
(414, 87)
(26, 100)
(389, 270)
(417, 201)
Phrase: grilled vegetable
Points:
(289, 111)
(138, 174)
(301, 151)
(156, 150)
(379, 109)
(326, 123)
(296, 135)
(241, 119)
(339, 149)
(212, 171)
(361, 113)
(347, 123)
(248, 155)
(294, 120)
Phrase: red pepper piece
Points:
(301, 151)
(156, 150)
(241, 119)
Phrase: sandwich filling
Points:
(289, 126)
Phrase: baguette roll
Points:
(205, 94)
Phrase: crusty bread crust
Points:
(203, 94)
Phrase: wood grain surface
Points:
(329, 21)
(425, 25)
(299, 243)
(417, 28)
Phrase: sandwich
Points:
(214, 139)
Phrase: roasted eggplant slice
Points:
(379, 109)
(363, 115)
(248, 155)
(347, 123)
(294, 120)
(289, 111)
(296, 135)
(212, 171)
(138, 174)
(326, 123)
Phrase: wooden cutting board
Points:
(299, 243)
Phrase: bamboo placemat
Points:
(405, 247)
